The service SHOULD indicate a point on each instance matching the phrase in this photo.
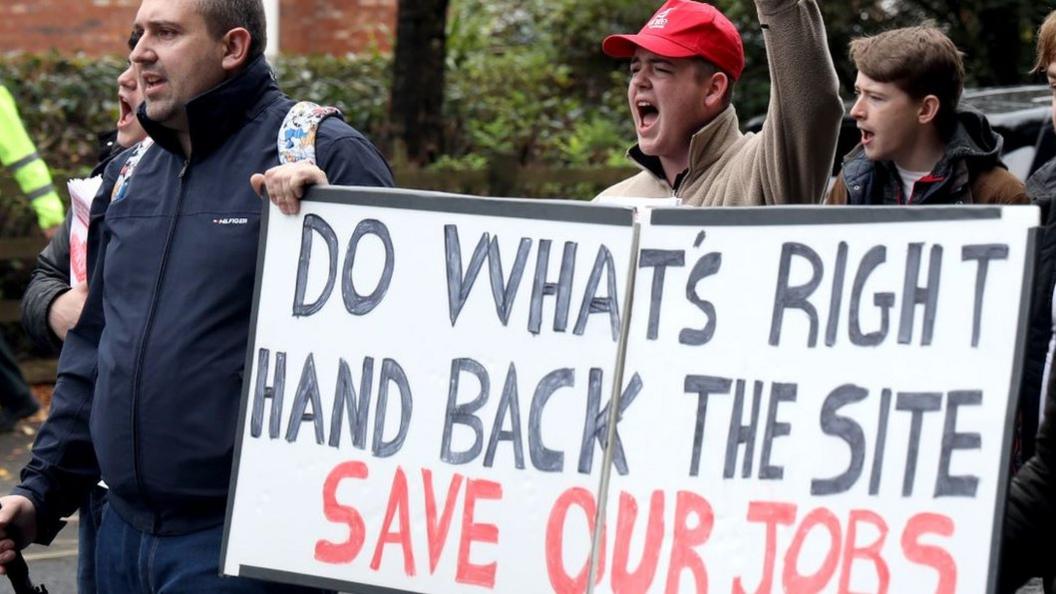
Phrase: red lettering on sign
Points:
(872, 552)
(686, 538)
(397, 503)
(555, 527)
(929, 555)
(471, 573)
(624, 581)
(345, 552)
(771, 514)
(793, 581)
(436, 533)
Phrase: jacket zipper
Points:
(137, 377)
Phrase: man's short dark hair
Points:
(705, 70)
(223, 15)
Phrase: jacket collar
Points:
(1041, 187)
(218, 113)
(706, 147)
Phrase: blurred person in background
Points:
(19, 155)
(1029, 537)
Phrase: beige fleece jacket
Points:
(790, 160)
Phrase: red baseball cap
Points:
(685, 29)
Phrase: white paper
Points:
(82, 192)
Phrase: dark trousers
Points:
(89, 517)
(128, 561)
(14, 393)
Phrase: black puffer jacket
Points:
(51, 276)
(1029, 538)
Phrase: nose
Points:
(140, 52)
(640, 79)
(127, 79)
(858, 108)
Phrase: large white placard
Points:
(809, 400)
(822, 401)
(426, 383)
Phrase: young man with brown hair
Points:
(916, 147)
(1030, 517)
(684, 63)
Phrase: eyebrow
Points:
(159, 25)
(651, 61)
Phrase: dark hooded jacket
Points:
(155, 363)
(970, 172)
(1029, 536)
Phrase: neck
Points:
(923, 154)
(675, 166)
(185, 143)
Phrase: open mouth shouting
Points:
(867, 136)
(127, 113)
(648, 114)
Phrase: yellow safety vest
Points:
(19, 155)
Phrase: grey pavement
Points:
(55, 566)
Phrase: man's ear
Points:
(715, 90)
(929, 109)
(236, 44)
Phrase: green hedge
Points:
(517, 104)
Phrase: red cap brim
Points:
(623, 46)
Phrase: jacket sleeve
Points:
(348, 158)
(49, 280)
(63, 466)
(798, 140)
(837, 196)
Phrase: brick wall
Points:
(336, 26)
(100, 27)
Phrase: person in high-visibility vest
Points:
(18, 154)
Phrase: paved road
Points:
(56, 566)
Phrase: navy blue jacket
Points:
(155, 364)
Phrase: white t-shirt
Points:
(909, 179)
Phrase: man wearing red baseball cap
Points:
(684, 63)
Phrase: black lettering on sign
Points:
(707, 265)
(789, 297)
(509, 406)
(983, 254)
(463, 414)
(876, 256)
(346, 399)
(314, 224)
(658, 260)
(262, 393)
(703, 386)
(391, 373)
(355, 303)
(562, 289)
(947, 485)
(912, 294)
(849, 431)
